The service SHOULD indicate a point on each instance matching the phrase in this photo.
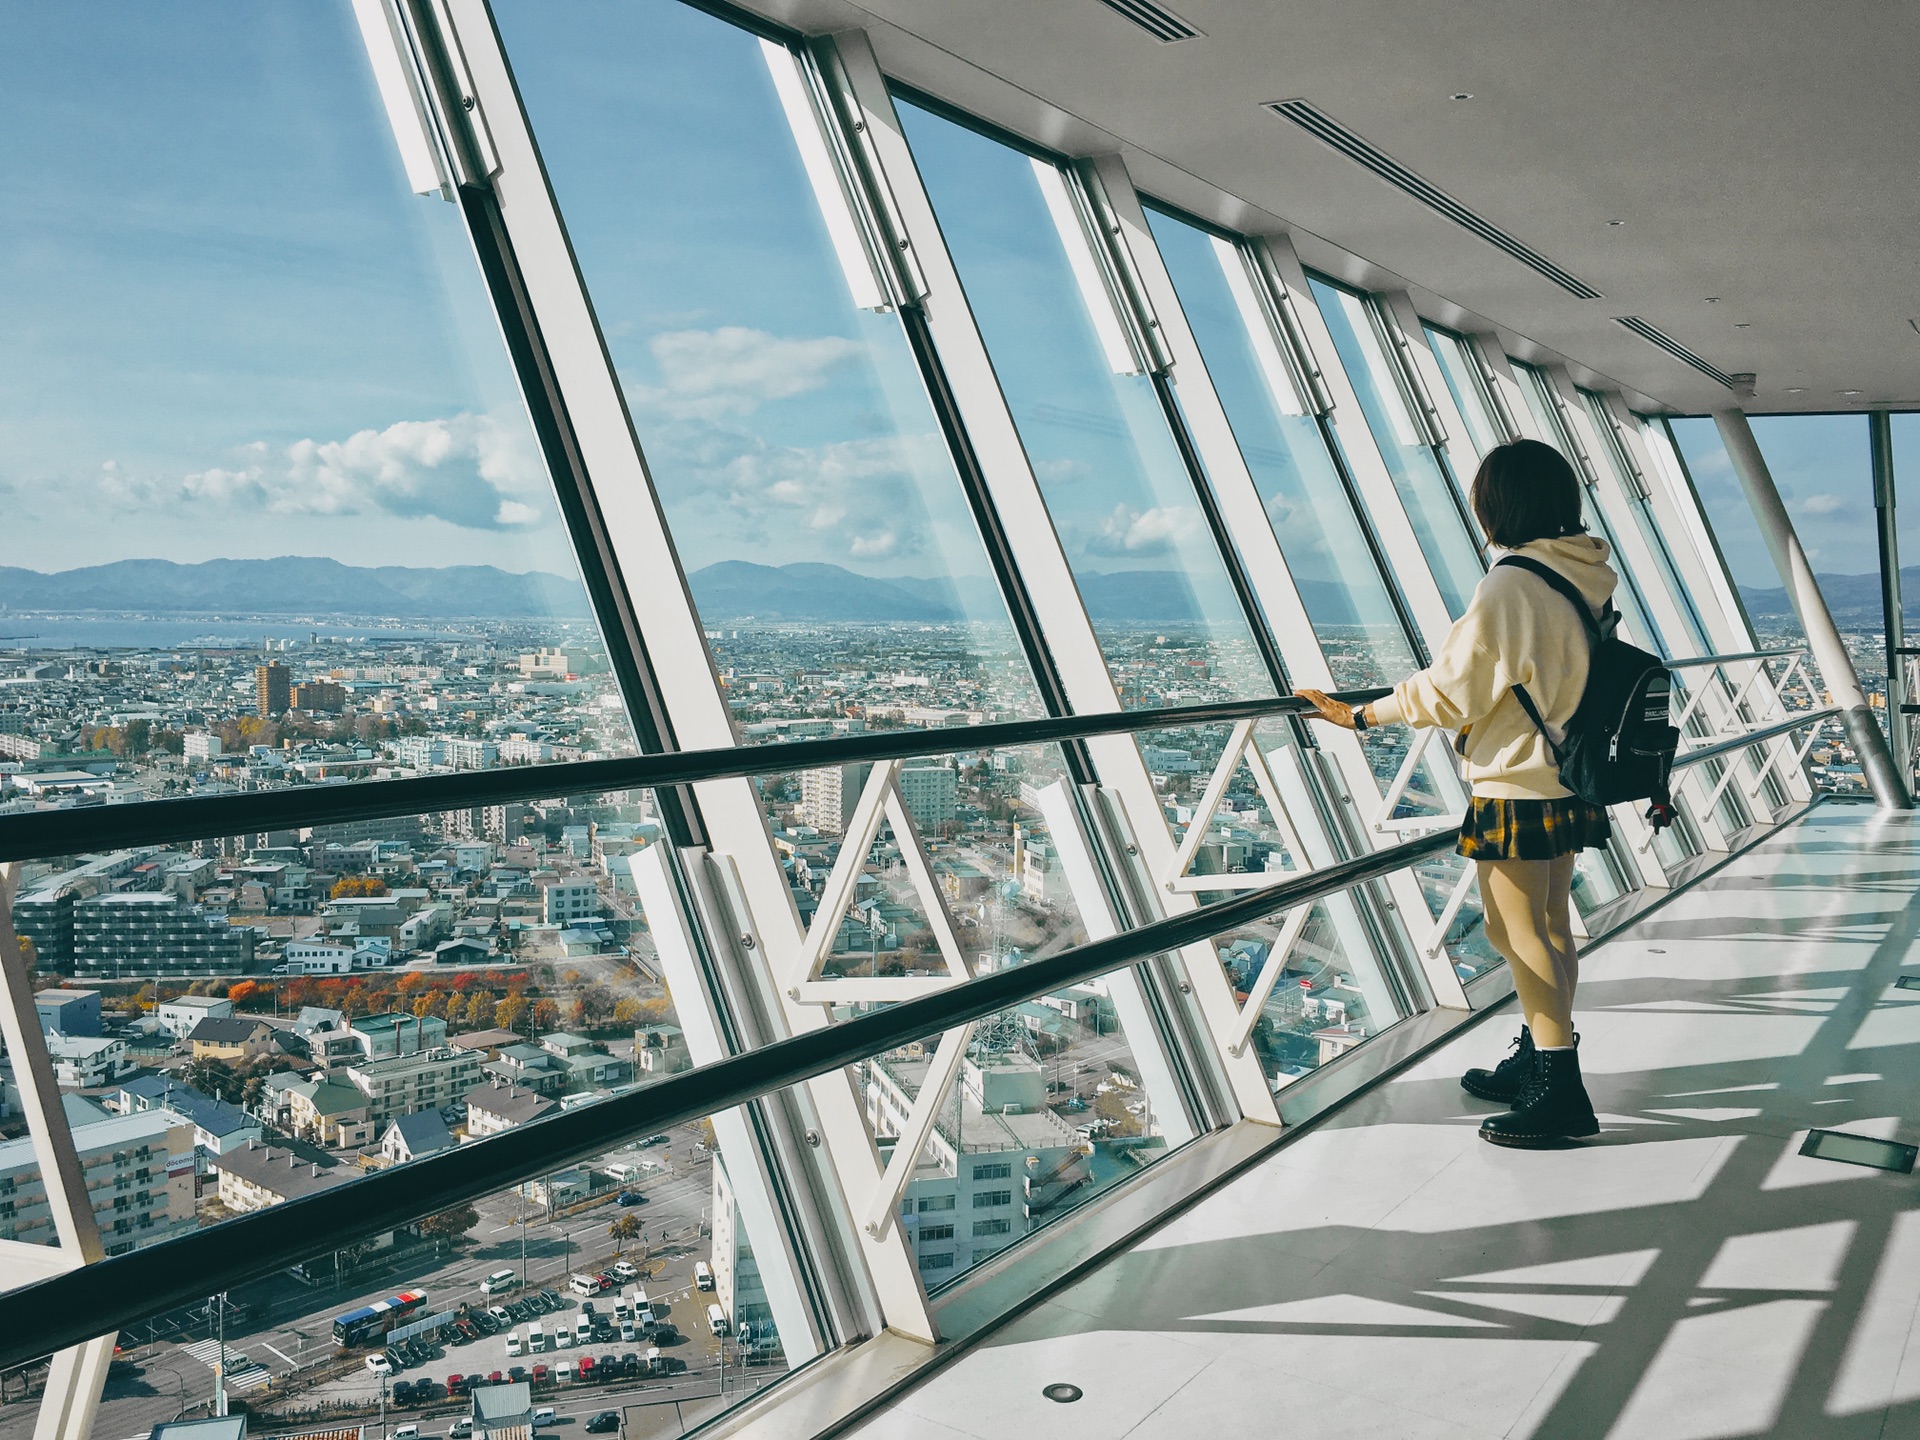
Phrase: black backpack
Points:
(1619, 744)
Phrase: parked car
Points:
(379, 1365)
(606, 1420)
(653, 1140)
(501, 1315)
(586, 1368)
(541, 1374)
(516, 1374)
(626, 1330)
(403, 1392)
(397, 1360)
(626, 1270)
(456, 1384)
(607, 1282)
(552, 1297)
(630, 1364)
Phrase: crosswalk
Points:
(242, 1374)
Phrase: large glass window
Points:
(1461, 370)
(1120, 495)
(1651, 534)
(1537, 387)
(827, 542)
(1426, 490)
(273, 507)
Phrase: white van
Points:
(536, 1340)
(514, 1344)
(406, 1432)
(619, 1308)
(563, 1373)
(639, 1297)
(717, 1320)
(499, 1283)
(584, 1285)
(702, 1275)
(582, 1330)
(655, 1365)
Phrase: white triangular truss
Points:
(1240, 746)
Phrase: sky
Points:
(1823, 467)
(231, 330)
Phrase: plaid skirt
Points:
(1531, 829)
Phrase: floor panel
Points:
(1687, 1275)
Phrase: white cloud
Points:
(1823, 505)
(1159, 531)
(874, 546)
(733, 370)
(470, 470)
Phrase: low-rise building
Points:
(179, 1015)
(395, 1033)
(496, 1107)
(86, 1062)
(408, 1137)
(235, 1039)
(139, 1170)
(218, 1126)
(258, 1175)
(321, 1110)
(562, 901)
(406, 1083)
(69, 1012)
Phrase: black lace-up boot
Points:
(1553, 1107)
(1506, 1080)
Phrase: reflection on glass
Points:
(1461, 369)
(1121, 499)
(1425, 489)
(264, 452)
(826, 539)
(1906, 468)
(1306, 500)
(1651, 534)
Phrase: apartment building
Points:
(139, 1171)
(428, 1080)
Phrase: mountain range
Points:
(727, 592)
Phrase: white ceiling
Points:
(1760, 151)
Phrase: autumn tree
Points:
(508, 1014)
(358, 886)
(546, 1015)
(626, 1011)
(622, 1230)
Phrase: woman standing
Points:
(1524, 828)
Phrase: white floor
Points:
(1686, 1275)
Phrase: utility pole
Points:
(220, 1370)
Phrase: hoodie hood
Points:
(1581, 558)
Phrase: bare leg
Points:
(1516, 898)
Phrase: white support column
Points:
(690, 689)
(1037, 549)
(1497, 370)
(75, 1378)
(1823, 636)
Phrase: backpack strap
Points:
(1587, 622)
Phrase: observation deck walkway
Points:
(1688, 1274)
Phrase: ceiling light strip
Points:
(1655, 336)
(1163, 25)
(1324, 127)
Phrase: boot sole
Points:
(1539, 1142)
(1487, 1092)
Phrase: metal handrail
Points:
(1754, 737)
(159, 822)
(67, 1309)
(1730, 659)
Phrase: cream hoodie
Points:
(1517, 631)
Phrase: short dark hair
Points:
(1523, 491)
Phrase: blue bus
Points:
(372, 1322)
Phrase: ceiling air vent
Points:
(1674, 348)
(1322, 126)
(1163, 25)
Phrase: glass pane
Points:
(1742, 546)
(262, 447)
(1651, 534)
(484, 1296)
(1536, 386)
(1306, 499)
(1469, 391)
(1424, 487)
(1906, 475)
(1119, 493)
(816, 510)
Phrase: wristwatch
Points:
(1360, 717)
